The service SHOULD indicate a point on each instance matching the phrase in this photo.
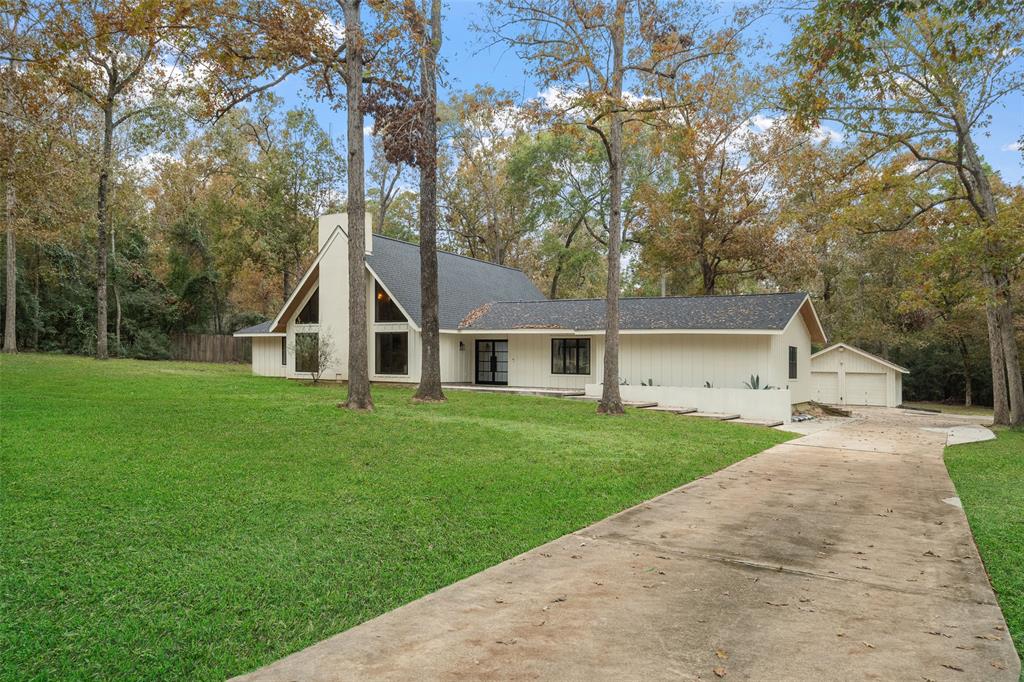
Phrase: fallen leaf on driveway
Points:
(721, 653)
(953, 667)
(771, 603)
(719, 671)
(994, 638)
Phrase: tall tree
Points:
(386, 187)
(253, 50)
(112, 53)
(923, 77)
(484, 217)
(359, 397)
(583, 53)
(711, 209)
(427, 29)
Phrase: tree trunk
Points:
(117, 294)
(359, 397)
(35, 295)
(965, 358)
(10, 254)
(103, 220)
(709, 277)
(611, 400)
(10, 269)
(430, 368)
(1014, 379)
(1007, 383)
(560, 263)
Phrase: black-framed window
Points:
(310, 313)
(392, 353)
(306, 351)
(792, 362)
(284, 350)
(385, 309)
(570, 356)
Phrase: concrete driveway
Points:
(839, 555)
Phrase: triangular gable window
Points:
(311, 311)
(385, 309)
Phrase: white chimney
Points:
(329, 223)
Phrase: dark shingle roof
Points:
(463, 283)
(750, 311)
(261, 328)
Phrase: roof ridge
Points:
(450, 253)
(655, 298)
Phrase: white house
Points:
(845, 375)
(497, 328)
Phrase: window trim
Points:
(377, 355)
(578, 342)
(284, 351)
(794, 357)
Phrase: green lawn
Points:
(989, 478)
(173, 520)
(973, 410)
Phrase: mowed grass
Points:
(973, 410)
(186, 521)
(989, 478)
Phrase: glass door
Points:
(492, 362)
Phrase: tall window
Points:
(284, 350)
(384, 309)
(792, 362)
(310, 313)
(570, 356)
(306, 352)
(392, 356)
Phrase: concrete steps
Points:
(627, 403)
(672, 410)
(720, 416)
(758, 422)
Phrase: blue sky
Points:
(470, 61)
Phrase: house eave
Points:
(601, 332)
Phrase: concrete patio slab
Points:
(834, 556)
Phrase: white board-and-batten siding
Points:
(846, 377)
(266, 356)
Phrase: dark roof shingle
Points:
(463, 283)
(261, 328)
(769, 312)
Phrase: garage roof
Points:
(869, 356)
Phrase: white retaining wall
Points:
(773, 404)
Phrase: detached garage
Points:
(844, 375)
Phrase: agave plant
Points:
(755, 383)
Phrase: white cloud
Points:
(825, 134)
(1012, 147)
(762, 122)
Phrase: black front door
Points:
(492, 362)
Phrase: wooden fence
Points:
(210, 348)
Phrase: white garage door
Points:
(826, 387)
(864, 388)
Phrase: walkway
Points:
(840, 555)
